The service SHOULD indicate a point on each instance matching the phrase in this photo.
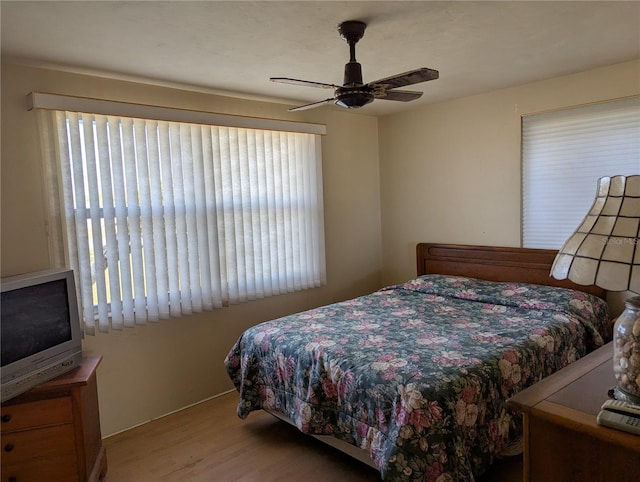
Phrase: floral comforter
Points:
(417, 374)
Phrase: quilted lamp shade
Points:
(605, 249)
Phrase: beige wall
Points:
(155, 369)
(450, 172)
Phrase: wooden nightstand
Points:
(562, 440)
(52, 432)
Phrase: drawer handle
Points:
(6, 418)
(13, 478)
(9, 447)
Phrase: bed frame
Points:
(525, 265)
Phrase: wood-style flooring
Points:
(209, 443)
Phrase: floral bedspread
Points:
(417, 374)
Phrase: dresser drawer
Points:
(60, 469)
(36, 414)
(29, 445)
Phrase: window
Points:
(564, 153)
(165, 218)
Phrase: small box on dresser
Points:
(52, 432)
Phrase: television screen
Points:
(34, 318)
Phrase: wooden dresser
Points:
(52, 432)
(562, 440)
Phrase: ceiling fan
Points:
(353, 93)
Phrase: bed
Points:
(414, 378)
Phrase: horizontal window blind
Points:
(564, 153)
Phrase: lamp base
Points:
(626, 351)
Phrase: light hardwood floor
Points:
(208, 442)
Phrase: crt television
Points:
(40, 332)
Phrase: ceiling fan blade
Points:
(407, 78)
(401, 95)
(306, 83)
(312, 105)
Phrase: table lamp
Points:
(605, 251)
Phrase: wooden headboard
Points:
(525, 265)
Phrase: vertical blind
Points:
(564, 153)
(168, 218)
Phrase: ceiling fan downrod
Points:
(353, 93)
(352, 31)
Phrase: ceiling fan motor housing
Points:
(353, 97)
(352, 74)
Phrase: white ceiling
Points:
(235, 46)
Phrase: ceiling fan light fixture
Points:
(354, 98)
